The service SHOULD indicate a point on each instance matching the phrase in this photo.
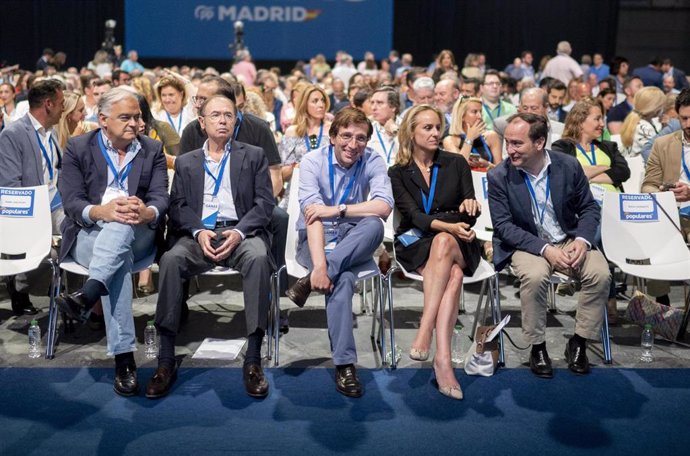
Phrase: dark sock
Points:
(93, 290)
(537, 347)
(166, 352)
(124, 359)
(579, 339)
(253, 354)
(665, 300)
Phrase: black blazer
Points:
(252, 193)
(454, 185)
(619, 171)
(84, 177)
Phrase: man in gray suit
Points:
(29, 156)
(220, 210)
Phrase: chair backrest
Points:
(25, 228)
(293, 268)
(483, 227)
(634, 182)
(637, 233)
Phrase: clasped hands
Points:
(129, 210)
(232, 240)
(571, 256)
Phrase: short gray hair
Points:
(564, 48)
(423, 83)
(115, 95)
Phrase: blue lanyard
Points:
(387, 153)
(534, 196)
(592, 161)
(240, 118)
(486, 148)
(119, 178)
(428, 202)
(318, 143)
(179, 121)
(488, 111)
(48, 159)
(685, 165)
(217, 179)
(331, 178)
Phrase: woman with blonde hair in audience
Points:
(307, 133)
(469, 137)
(142, 85)
(254, 104)
(287, 114)
(444, 62)
(434, 195)
(72, 120)
(605, 168)
(8, 113)
(101, 64)
(174, 102)
(643, 121)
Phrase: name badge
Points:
(409, 237)
(112, 193)
(684, 209)
(330, 235)
(209, 213)
(598, 193)
(56, 199)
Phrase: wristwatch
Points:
(468, 142)
(342, 209)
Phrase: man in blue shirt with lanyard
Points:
(545, 220)
(493, 107)
(114, 186)
(29, 156)
(344, 192)
(220, 210)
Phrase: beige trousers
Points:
(535, 273)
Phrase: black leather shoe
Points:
(300, 291)
(254, 380)
(74, 305)
(540, 364)
(576, 356)
(96, 322)
(126, 380)
(21, 304)
(346, 381)
(161, 382)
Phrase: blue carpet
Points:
(611, 411)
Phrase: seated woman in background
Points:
(434, 195)
(174, 102)
(469, 137)
(643, 121)
(8, 112)
(605, 168)
(71, 122)
(308, 132)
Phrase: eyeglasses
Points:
(494, 83)
(347, 137)
(215, 116)
(198, 100)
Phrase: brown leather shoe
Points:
(254, 381)
(300, 291)
(161, 382)
(346, 381)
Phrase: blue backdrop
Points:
(274, 29)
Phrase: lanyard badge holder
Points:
(411, 236)
(119, 190)
(330, 229)
(55, 198)
(211, 206)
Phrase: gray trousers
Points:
(356, 245)
(186, 259)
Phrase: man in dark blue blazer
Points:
(114, 189)
(220, 211)
(545, 220)
(651, 74)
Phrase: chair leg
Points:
(382, 312)
(276, 315)
(461, 307)
(53, 310)
(495, 294)
(480, 307)
(606, 341)
(374, 319)
(552, 298)
(389, 291)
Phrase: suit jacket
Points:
(681, 80)
(21, 161)
(252, 193)
(664, 162)
(555, 130)
(84, 178)
(510, 205)
(649, 75)
(619, 171)
(454, 185)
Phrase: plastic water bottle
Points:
(456, 355)
(647, 344)
(34, 340)
(389, 355)
(151, 340)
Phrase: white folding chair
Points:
(652, 249)
(485, 273)
(637, 170)
(367, 271)
(26, 234)
(483, 226)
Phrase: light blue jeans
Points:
(109, 250)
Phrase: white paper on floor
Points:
(219, 349)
